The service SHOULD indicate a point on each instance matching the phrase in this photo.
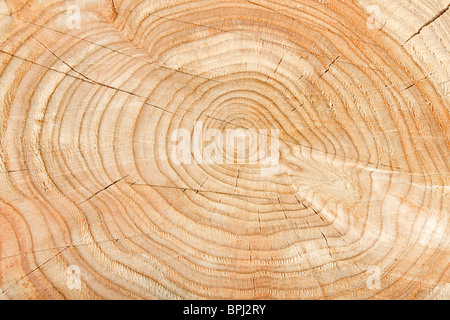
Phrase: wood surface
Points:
(358, 207)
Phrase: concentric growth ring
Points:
(327, 143)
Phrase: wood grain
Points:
(86, 177)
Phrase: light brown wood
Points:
(357, 208)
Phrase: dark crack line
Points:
(120, 52)
(92, 81)
(329, 66)
(134, 182)
(202, 191)
(38, 267)
(163, 109)
(108, 186)
(85, 79)
(65, 63)
(200, 185)
(282, 209)
(307, 208)
(88, 81)
(12, 171)
(276, 68)
(414, 82)
(326, 242)
(204, 26)
(311, 26)
(437, 16)
(297, 107)
(410, 86)
(274, 71)
(34, 251)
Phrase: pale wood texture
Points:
(86, 180)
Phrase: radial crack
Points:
(108, 186)
(438, 15)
